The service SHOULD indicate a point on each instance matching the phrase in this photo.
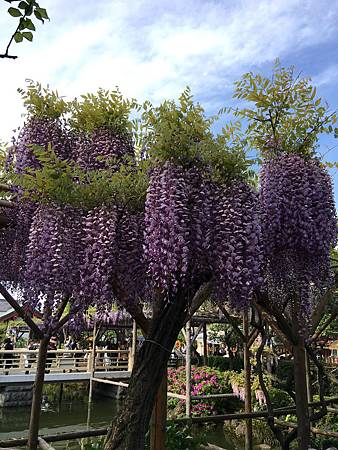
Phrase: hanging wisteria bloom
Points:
(100, 255)
(53, 252)
(167, 229)
(41, 132)
(193, 232)
(101, 149)
(235, 255)
(298, 227)
(14, 240)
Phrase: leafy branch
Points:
(286, 115)
(25, 26)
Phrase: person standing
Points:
(8, 345)
(51, 354)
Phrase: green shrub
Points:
(181, 437)
(284, 372)
(223, 364)
(327, 423)
(279, 398)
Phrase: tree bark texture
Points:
(128, 430)
(159, 417)
(37, 395)
(302, 408)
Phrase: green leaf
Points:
(29, 24)
(14, 12)
(28, 35)
(18, 37)
(38, 15)
(23, 5)
(42, 12)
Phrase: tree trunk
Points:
(37, 395)
(159, 417)
(302, 408)
(128, 430)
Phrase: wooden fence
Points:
(20, 361)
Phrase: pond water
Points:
(73, 416)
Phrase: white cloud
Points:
(328, 76)
(155, 48)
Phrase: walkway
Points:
(19, 366)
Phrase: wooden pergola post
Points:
(247, 370)
(188, 369)
(133, 346)
(92, 374)
(308, 381)
(205, 344)
(92, 365)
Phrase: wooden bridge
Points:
(19, 365)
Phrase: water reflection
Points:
(73, 416)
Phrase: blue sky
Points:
(154, 48)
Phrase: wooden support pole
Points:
(92, 375)
(92, 365)
(308, 381)
(247, 370)
(205, 344)
(133, 344)
(188, 369)
(37, 395)
(159, 417)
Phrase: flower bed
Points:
(204, 381)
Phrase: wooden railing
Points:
(61, 361)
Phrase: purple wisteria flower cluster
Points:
(299, 227)
(53, 251)
(113, 256)
(195, 227)
(100, 255)
(50, 269)
(236, 254)
(97, 149)
(14, 240)
(37, 131)
(167, 228)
